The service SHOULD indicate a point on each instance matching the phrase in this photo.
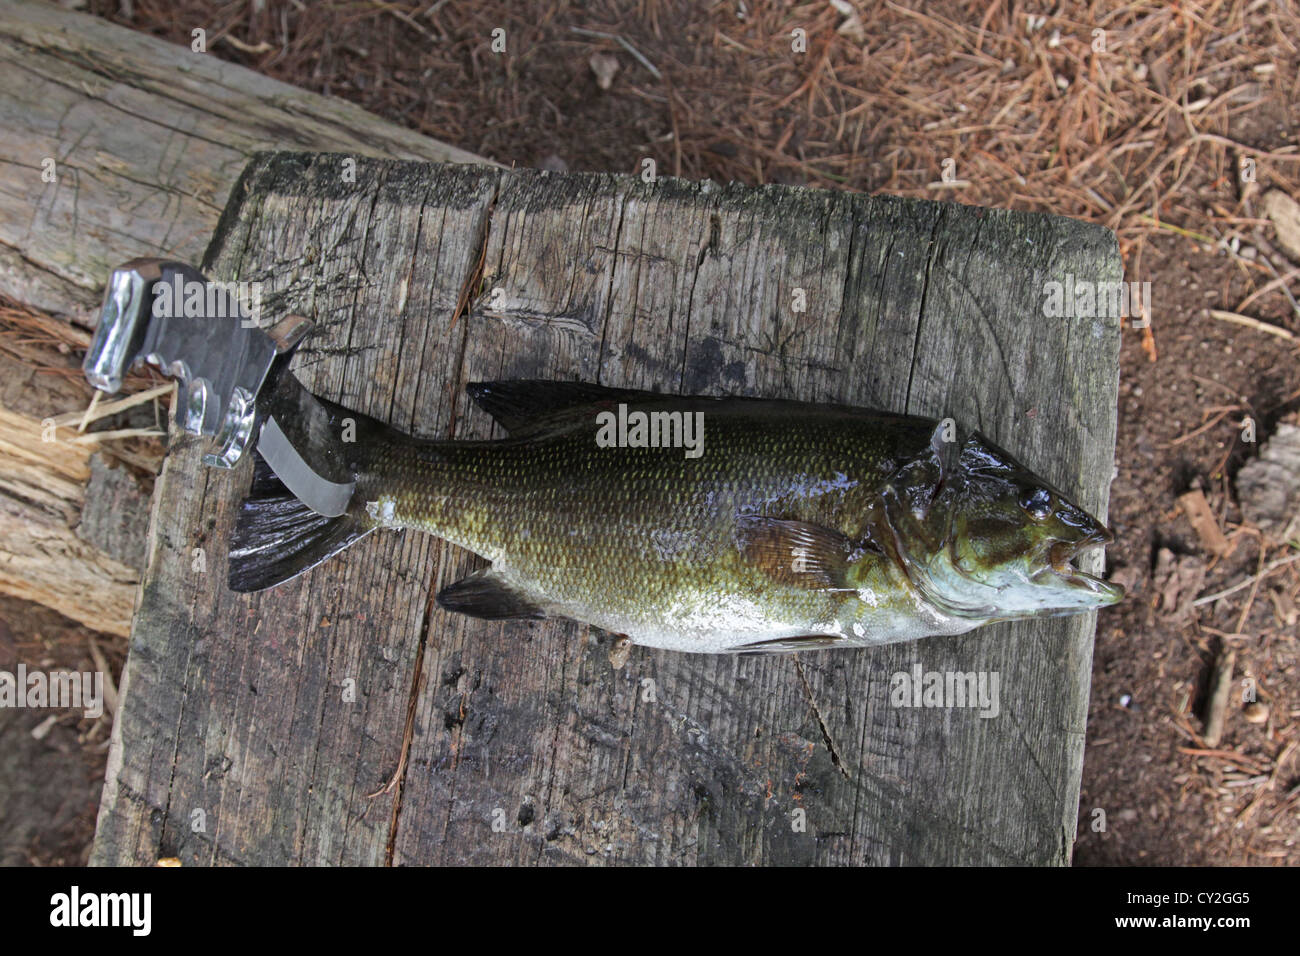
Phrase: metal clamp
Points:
(235, 383)
(168, 314)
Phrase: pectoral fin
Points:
(794, 553)
(485, 594)
(277, 537)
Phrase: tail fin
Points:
(277, 537)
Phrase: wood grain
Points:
(147, 139)
(522, 742)
(61, 549)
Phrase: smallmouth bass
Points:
(780, 526)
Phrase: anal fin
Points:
(804, 642)
(486, 595)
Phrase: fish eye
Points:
(1037, 504)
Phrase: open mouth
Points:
(1062, 555)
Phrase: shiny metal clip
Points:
(170, 315)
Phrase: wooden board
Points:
(146, 139)
(239, 740)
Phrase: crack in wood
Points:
(821, 723)
(931, 253)
(609, 289)
(398, 778)
(475, 277)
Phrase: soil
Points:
(51, 760)
(1151, 670)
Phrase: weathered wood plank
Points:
(59, 549)
(58, 546)
(146, 138)
(919, 307)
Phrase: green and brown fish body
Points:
(709, 525)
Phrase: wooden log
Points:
(343, 718)
(72, 524)
(43, 486)
(115, 144)
(145, 140)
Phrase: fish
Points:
(702, 524)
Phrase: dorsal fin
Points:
(518, 405)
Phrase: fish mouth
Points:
(1062, 555)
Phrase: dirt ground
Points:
(1148, 134)
(51, 761)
